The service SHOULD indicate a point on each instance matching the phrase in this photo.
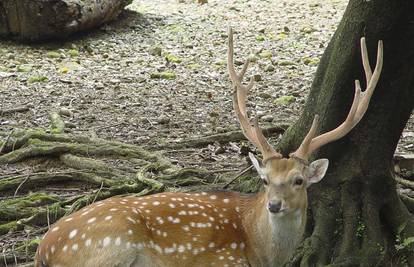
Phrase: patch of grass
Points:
(37, 79)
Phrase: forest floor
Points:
(157, 78)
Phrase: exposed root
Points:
(231, 136)
(96, 169)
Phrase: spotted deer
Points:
(208, 228)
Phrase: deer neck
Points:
(272, 239)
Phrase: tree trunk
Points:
(45, 19)
(357, 217)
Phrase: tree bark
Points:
(45, 19)
(357, 218)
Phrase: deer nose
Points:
(274, 207)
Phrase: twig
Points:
(14, 110)
(20, 185)
(47, 217)
(15, 171)
(221, 138)
(5, 259)
(109, 126)
(97, 193)
(237, 176)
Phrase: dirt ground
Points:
(158, 75)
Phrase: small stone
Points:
(269, 68)
(220, 129)
(219, 150)
(163, 120)
(156, 51)
(115, 81)
(238, 62)
(257, 77)
(267, 118)
(265, 95)
(214, 114)
(65, 112)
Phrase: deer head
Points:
(286, 179)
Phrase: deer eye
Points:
(265, 181)
(298, 181)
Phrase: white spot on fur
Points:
(91, 220)
(73, 233)
(88, 242)
(106, 241)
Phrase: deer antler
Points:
(357, 111)
(252, 132)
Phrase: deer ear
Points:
(316, 170)
(260, 170)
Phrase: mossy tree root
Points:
(357, 233)
(99, 167)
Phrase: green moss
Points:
(360, 229)
(24, 68)
(8, 227)
(32, 200)
(30, 246)
(194, 66)
(265, 54)
(169, 75)
(73, 53)
(53, 54)
(312, 61)
(36, 79)
(286, 63)
(285, 100)
(260, 38)
(172, 58)
(175, 28)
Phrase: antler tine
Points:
(365, 60)
(252, 133)
(356, 112)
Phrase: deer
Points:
(222, 228)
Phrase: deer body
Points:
(208, 229)
(198, 229)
